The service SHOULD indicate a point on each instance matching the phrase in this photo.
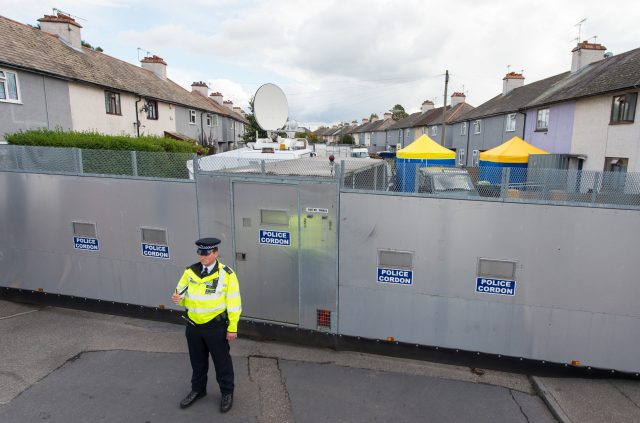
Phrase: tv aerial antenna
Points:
(579, 25)
(270, 108)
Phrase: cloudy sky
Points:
(343, 60)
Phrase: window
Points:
(477, 126)
(192, 117)
(434, 130)
(9, 88)
(511, 123)
(208, 120)
(623, 108)
(112, 103)
(154, 236)
(152, 110)
(461, 157)
(214, 120)
(82, 229)
(498, 269)
(542, 121)
(395, 259)
(475, 158)
(463, 128)
(274, 217)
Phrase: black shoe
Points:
(191, 398)
(226, 403)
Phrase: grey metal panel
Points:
(45, 104)
(575, 276)
(270, 272)
(37, 243)
(318, 253)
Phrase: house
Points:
(590, 115)
(379, 135)
(49, 80)
(430, 123)
(498, 119)
(403, 132)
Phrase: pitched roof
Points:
(28, 48)
(434, 116)
(611, 74)
(386, 123)
(513, 101)
(407, 122)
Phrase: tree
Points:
(251, 128)
(346, 139)
(398, 112)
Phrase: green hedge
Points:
(95, 141)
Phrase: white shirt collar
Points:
(210, 268)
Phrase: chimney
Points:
(426, 106)
(156, 65)
(217, 97)
(388, 115)
(65, 27)
(201, 88)
(374, 118)
(586, 53)
(511, 81)
(365, 120)
(237, 109)
(228, 103)
(457, 98)
(354, 122)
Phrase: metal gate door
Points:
(266, 239)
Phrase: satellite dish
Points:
(270, 107)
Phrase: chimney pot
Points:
(457, 98)
(155, 64)
(217, 97)
(586, 53)
(426, 106)
(200, 87)
(511, 81)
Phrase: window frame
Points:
(209, 120)
(511, 123)
(434, 130)
(152, 105)
(5, 91)
(477, 126)
(542, 128)
(463, 129)
(192, 117)
(107, 103)
(621, 120)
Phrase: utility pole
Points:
(444, 109)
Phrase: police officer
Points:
(210, 293)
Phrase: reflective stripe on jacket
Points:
(209, 296)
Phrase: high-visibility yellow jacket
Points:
(209, 296)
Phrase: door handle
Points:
(241, 256)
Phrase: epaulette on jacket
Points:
(228, 270)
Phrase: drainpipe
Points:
(138, 120)
(201, 130)
(466, 154)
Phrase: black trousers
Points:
(205, 340)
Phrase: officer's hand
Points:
(175, 298)
(231, 336)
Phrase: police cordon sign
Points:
(399, 276)
(84, 243)
(269, 237)
(155, 250)
(496, 286)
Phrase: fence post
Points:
(263, 169)
(504, 186)
(79, 159)
(342, 172)
(416, 178)
(596, 184)
(134, 164)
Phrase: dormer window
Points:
(9, 88)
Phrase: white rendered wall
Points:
(595, 137)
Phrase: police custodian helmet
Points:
(207, 245)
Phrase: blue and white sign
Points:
(399, 276)
(496, 286)
(84, 243)
(155, 250)
(275, 237)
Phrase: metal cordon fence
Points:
(388, 176)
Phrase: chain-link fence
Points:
(95, 162)
(490, 183)
(512, 184)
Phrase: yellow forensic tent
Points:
(425, 148)
(516, 150)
